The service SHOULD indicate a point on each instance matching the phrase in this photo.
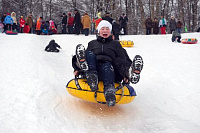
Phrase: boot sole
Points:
(81, 58)
(137, 67)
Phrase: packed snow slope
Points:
(34, 99)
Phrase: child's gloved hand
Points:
(76, 73)
(126, 80)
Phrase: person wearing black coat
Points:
(148, 24)
(107, 61)
(77, 22)
(123, 20)
(52, 47)
(116, 30)
(108, 18)
(155, 27)
(64, 23)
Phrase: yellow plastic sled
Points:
(126, 43)
(80, 89)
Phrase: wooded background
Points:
(136, 10)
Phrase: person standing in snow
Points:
(38, 25)
(162, 25)
(115, 30)
(155, 26)
(64, 23)
(106, 58)
(123, 20)
(70, 23)
(77, 22)
(148, 24)
(172, 24)
(29, 21)
(8, 21)
(14, 26)
(86, 24)
(21, 24)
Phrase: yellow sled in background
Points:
(80, 89)
(125, 43)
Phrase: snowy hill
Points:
(34, 99)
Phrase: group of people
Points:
(70, 24)
(45, 27)
(10, 22)
(162, 24)
(78, 24)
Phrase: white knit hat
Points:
(104, 23)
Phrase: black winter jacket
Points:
(109, 50)
(109, 19)
(52, 46)
(77, 19)
(123, 21)
(115, 28)
(105, 49)
(64, 20)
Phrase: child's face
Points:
(105, 32)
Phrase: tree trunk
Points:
(152, 9)
(157, 8)
(142, 14)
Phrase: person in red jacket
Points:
(26, 28)
(97, 21)
(70, 23)
(22, 23)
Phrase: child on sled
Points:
(52, 47)
(106, 60)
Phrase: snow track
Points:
(33, 96)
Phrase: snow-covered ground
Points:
(33, 97)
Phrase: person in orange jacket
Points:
(86, 23)
(38, 25)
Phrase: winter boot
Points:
(92, 80)
(110, 95)
(136, 67)
(81, 58)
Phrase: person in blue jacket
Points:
(45, 28)
(8, 21)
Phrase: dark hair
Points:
(63, 13)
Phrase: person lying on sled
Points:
(105, 60)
